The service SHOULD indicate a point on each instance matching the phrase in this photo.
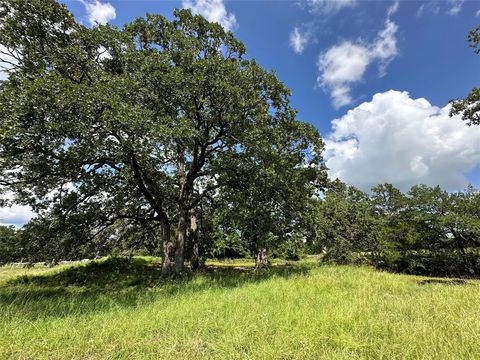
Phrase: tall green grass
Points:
(118, 309)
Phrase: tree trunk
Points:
(262, 258)
(167, 261)
(193, 236)
(180, 245)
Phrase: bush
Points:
(449, 263)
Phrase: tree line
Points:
(426, 231)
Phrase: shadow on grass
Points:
(450, 282)
(119, 282)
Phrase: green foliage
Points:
(293, 249)
(427, 231)
(346, 226)
(137, 128)
(10, 248)
(470, 106)
(437, 233)
(164, 138)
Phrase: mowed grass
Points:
(116, 309)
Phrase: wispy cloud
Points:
(299, 39)
(433, 7)
(344, 64)
(329, 6)
(456, 7)
(393, 8)
(420, 10)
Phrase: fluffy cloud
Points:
(15, 215)
(329, 6)
(299, 39)
(340, 66)
(385, 47)
(404, 141)
(345, 64)
(98, 12)
(212, 10)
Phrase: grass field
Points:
(117, 309)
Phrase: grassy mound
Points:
(122, 308)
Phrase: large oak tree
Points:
(136, 125)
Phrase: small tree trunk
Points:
(194, 239)
(180, 245)
(262, 258)
(167, 261)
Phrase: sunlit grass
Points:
(116, 309)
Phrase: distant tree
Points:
(269, 186)
(346, 226)
(10, 247)
(104, 126)
(427, 207)
(428, 230)
(469, 107)
(462, 225)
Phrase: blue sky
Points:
(336, 55)
(374, 77)
(433, 61)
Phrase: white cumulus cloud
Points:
(344, 64)
(340, 66)
(213, 11)
(15, 214)
(98, 12)
(404, 141)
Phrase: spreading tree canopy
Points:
(138, 126)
